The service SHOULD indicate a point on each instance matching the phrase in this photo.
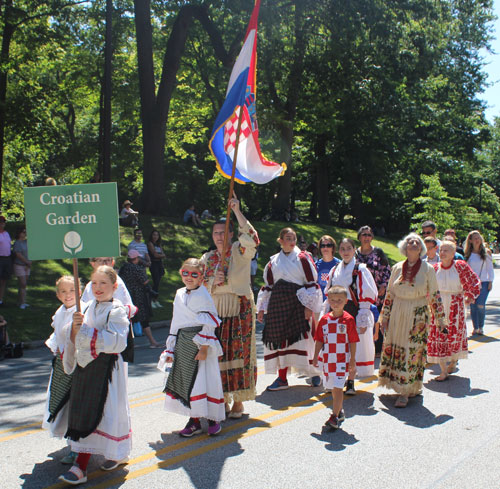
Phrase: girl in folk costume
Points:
(228, 282)
(458, 286)
(358, 280)
(99, 416)
(194, 386)
(56, 409)
(289, 298)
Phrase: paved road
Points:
(447, 438)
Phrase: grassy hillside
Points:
(180, 242)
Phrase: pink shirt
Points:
(4, 244)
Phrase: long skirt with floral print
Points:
(238, 364)
(404, 351)
(452, 346)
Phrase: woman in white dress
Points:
(288, 299)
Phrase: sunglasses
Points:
(326, 245)
(426, 233)
(367, 235)
(187, 273)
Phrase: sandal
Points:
(74, 476)
(401, 402)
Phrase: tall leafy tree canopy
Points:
(374, 105)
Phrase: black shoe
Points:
(349, 388)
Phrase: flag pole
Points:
(77, 283)
(231, 185)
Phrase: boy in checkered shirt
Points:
(336, 339)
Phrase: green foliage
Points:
(381, 96)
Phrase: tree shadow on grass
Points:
(415, 414)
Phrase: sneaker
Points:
(192, 428)
(69, 459)
(214, 428)
(74, 476)
(113, 464)
(480, 331)
(349, 388)
(278, 385)
(153, 305)
(341, 416)
(158, 304)
(316, 381)
(24, 306)
(333, 422)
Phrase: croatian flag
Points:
(251, 166)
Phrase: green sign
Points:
(72, 221)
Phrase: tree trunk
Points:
(322, 187)
(108, 55)
(8, 31)
(292, 99)
(282, 200)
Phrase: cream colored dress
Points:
(407, 307)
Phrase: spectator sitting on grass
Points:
(129, 217)
(191, 216)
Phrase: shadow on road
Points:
(47, 472)
(415, 414)
(205, 462)
(335, 440)
(359, 405)
(456, 387)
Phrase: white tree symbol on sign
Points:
(72, 242)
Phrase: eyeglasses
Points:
(367, 235)
(326, 245)
(426, 233)
(187, 273)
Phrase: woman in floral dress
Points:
(405, 319)
(376, 261)
(458, 286)
(229, 285)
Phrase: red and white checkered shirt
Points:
(336, 334)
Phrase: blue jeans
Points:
(478, 309)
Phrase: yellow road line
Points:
(17, 428)
(198, 439)
(19, 435)
(154, 398)
(220, 443)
